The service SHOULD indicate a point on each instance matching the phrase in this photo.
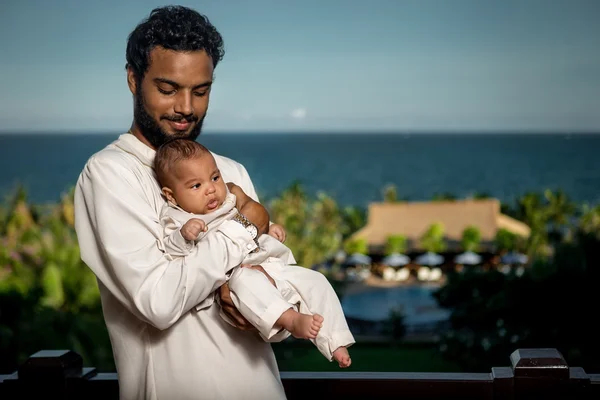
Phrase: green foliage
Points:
(313, 226)
(353, 219)
(359, 245)
(433, 239)
(444, 197)
(505, 241)
(471, 238)
(395, 244)
(48, 296)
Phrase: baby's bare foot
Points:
(342, 356)
(301, 326)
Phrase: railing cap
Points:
(539, 363)
(50, 364)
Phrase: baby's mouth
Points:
(212, 204)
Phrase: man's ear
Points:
(131, 81)
(168, 193)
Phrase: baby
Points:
(302, 302)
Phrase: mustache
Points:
(179, 118)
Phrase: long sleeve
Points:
(173, 241)
(120, 237)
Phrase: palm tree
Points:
(589, 222)
(560, 213)
(390, 194)
(353, 219)
(532, 210)
(314, 227)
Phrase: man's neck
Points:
(135, 131)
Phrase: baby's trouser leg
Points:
(257, 300)
(318, 297)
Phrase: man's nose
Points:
(183, 103)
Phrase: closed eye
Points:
(167, 92)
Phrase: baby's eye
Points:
(216, 178)
(196, 186)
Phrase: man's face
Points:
(197, 185)
(172, 98)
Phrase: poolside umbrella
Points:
(468, 258)
(514, 258)
(430, 259)
(396, 260)
(358, 259)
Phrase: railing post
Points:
(49, 373)
(504, 383)
(542, 374)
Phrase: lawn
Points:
(374, 357)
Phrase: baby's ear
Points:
(168, 193)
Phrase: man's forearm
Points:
(257, 214)
(254, 211)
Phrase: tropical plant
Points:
(358, 245)
(444, 197)
(353, 219)
(471, 238)
(395, 244)
(313, 226)
(505, 241)
(433, 239)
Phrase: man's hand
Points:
(278, 232)
(229, 308)
(191, 229)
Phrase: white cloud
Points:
(298, 113)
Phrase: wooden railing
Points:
(533, 374)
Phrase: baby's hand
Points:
(277, 232)
(191, 229)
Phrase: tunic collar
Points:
(132, 145)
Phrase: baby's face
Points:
(199, 187)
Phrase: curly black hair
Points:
(174, 28)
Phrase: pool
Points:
(415, 302)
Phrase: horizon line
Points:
(325, 131)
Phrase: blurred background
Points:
(437, 160)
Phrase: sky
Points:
(319, 65)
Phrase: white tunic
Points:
(163, 347)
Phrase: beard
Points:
(153, 132)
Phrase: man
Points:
(164, 346)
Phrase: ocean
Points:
(352, 168)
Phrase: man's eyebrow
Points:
(177, 85)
